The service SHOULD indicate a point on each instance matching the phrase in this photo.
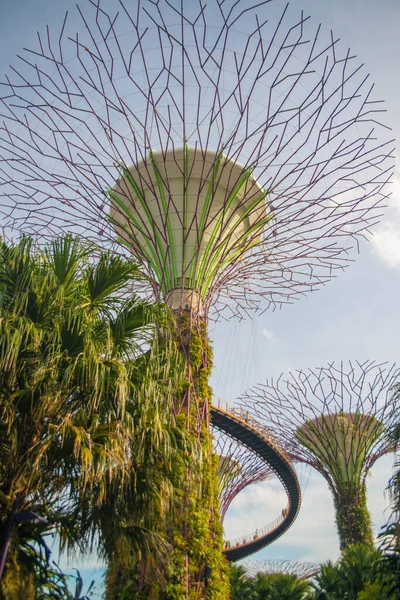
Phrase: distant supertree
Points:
(238, 467)
(333, 418)
(302, 569)
(234, 151)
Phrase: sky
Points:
(355, 316)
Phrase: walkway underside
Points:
(237, 424)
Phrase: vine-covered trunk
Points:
(199, 568)
(353, 520)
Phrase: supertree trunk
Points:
(352, 517)
(196, 533)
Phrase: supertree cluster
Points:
(334, 419)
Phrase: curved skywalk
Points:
(239, 425)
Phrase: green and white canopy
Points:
(341, 443)
(188, 214)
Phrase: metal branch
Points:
(238, 468)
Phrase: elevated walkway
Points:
(239, 425)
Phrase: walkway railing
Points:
(258, 533)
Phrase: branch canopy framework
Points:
(301, 569)
(242, 80)
(333, 418)
(238, 468)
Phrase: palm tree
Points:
(329, 582)
(287, 586)
(134, 542)
(352, 574)
(241, 584)
(358, 564)
(72, 399)
(280, 586)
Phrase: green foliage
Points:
(190, 558)
(241, 585)
(358, 567)
(393, 439)
(79, 588)
(388, 567)
(267, 586)
(280, 586)
(372, 591)
(81, 388)
(351, 575)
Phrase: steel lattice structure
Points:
(238, 468)
(302, 569)
(269, 130)
(333, 418)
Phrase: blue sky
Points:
(355, 316)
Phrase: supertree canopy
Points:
(302, 569)
(231, 147)
(334, 418)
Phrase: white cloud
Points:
(385, 238)
(271, 337)
(255, 507)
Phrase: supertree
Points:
(334, 418)
(230, 148)
(238, 468)
(302, 569)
